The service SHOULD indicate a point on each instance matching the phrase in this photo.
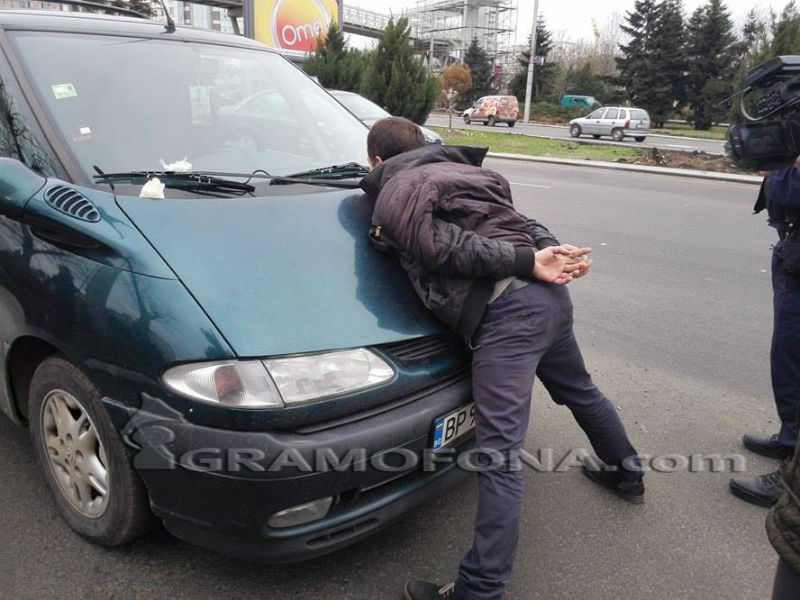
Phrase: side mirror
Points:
(18, 184)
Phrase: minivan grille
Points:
(421, 348)
(71, 202)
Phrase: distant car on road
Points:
(369, 113)
(493, 109)
(570, 100)
(618, 122)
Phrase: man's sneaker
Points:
(596, 470)
(766, 445)
(764, 490)
(423, 590)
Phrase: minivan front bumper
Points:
(218, 488)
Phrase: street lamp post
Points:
(529, 88)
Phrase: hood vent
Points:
(421, 348)
(71, 202)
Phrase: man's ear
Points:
(375, 162)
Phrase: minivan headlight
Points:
(314, 376)
(277, 382)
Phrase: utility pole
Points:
(464, 32)
(531, 72)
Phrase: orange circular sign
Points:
(296, 24)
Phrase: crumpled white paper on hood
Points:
(153, 189)
(179, 166)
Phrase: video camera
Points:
(760, 144)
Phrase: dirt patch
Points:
(699, 161)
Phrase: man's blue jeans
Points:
(523, 335)
(785, 351)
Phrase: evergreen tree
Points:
(786, 31)
(652, 61)
(712, 59)
(753, 49)
(753, 34)
(482, 71)
(671, 54)
(397, 79)
(544, 75)
(336, 66)
(585, 82)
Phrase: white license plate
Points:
(640, 126)
(453, 426)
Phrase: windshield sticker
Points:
(63, 90)
(84, 134)
(200, 105)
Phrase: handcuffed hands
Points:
(561, 264)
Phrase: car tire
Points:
(575, 130)
(467, 119)
(85, 457)
(639, 138)
(491, 122)
(512, 123)
(596, 136)
(618, 135)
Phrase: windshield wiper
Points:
(345, 171)
(326, 176)
(194, 181)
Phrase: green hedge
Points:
(548, 109)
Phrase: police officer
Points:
(780, 196)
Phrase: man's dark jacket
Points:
(454, 228)
(783, 521)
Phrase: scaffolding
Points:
(444, 29)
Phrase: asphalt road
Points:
(663, 142)
(675, 325)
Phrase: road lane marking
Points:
(533, 185)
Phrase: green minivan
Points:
(193, 324)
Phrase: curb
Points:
(708, 175)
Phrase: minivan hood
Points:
(285, 274)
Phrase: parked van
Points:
(493, 109)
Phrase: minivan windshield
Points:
(129, 103)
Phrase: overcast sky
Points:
(575, 16)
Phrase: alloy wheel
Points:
(76, 455)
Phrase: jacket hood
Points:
(434, 153)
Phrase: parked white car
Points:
(619, 122)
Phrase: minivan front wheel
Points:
(618, 135)
(491, 121)
(466, 119)
(575, 130)
(97, 491)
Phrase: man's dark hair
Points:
(392, 136)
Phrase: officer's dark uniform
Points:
(780, 196)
